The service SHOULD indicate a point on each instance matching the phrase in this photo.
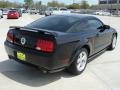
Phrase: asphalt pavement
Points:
(103, 73)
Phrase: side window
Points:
(94, 24)
(80, 26)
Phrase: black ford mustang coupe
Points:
(60, 42)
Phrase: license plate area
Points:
(21, 56)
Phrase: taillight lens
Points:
(16, 13)
(10, 37)
(45, 45)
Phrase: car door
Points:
(100, 37)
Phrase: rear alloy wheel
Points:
(80, 62)
(113, 44)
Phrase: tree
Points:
(73, 6)
(37, 5)
(84, 4)
(61, 5)
(94, 7)
(8, 4)
(52, 4)
(29, 3)
(55, 4)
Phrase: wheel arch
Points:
(86, 46)
(115, 34)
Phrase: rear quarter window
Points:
(94, 24)
(79, 27)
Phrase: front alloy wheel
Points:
(113, 44)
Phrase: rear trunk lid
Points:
(28, 37)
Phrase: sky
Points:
(63, 1)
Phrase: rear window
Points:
(12, 11)
(5, 10)
(54, 23)
(32, 9)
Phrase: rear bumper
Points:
(47, 62)
(12, 17)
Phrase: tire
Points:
(46, 14)
(1, 16)
(113, 43)
(79, 64)
(17, 17)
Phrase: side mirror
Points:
(106, 27)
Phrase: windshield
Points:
(54, 23)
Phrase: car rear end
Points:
(44, 43)
(5, 11)
(13, 15)
(34, 47)
(33, 11)
(18, 10)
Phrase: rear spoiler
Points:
(33, 30)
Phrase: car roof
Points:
(80, 16)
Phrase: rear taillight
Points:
(10, 37)
(15, 13)
(45, 45)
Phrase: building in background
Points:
(111, 5)
(109, 1)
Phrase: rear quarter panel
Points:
(67, 45)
